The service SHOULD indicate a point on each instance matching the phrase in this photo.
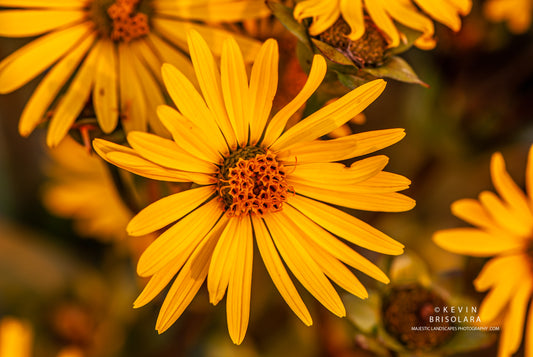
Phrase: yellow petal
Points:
(338, 174)
(471, 211)
(346, 226)
(240, 283)
(76, 97)
(278, 273)
(529, 175)
(302, 264)
(314, 233)
(263, 86)
(332, 116)
(209, 78)
(187, 134)
(167, 210)
(228, 11)
(324, 14)
(169, 54)
(376, 10)
(352, 13)
(224, 257)
(442, 11)
(189, 280)
(24, 64)
(180, 239)
(234, 82)
(176, 32)
(494, 271)
(105, 96)
(50, 86)
(379, 202)
(132, 103)
(510, 191)
(474, 242)
(166, 153)
(67, 4)
(146, 52)
(191, 105)
(407, 14)
(529, 334)
(504, 216)
(513, 324)
(27, 23)
(278, 122)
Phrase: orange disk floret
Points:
(255, 185)
(127, 25)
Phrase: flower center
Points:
(251, 180)
(369, 50)
(412, 306)
(121, 20)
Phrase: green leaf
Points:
(408, 269)
(284, 15)
(332, 53)
(396, 68)
(353, 81)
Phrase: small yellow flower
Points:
(108, 50)
(16, 338)
(517, 13)
(504, 231)
(253, 180)
(384, 12)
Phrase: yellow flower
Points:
(384, 12)
(75, 179)
(16, 337)
(109, 50)
(504, 231)
(517, 13)
(254, 180)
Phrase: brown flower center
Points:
(251, 180)
(369, 50)
(412, 306)
(128, 24)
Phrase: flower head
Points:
(504, 231)
(253, 180)
(103, 56)
(383, 13)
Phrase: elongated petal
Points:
(352, 13)
(346, 226)
(332, 116)
(187, 135)
(27, 23)
(191, 104)
(189, 280)
(278, 122)
(26, 63)
(442, 11)
(234, 82)
(231, 11)
(380, 202)
(75, 98)
(105, 95)
(66, 4)
(240, 284)
(338, 174)
(167, 210)
(513, 324)
(263, 86)
(327, 11)
(471, 211)
(475, 242)
(504, 216)
(342, 148)
(166, 153)
(132, 102)
(376, 10)
(209, 79)
(180, 239)
(170, 54)
(302, 264)
(50, 86)
(224, 257)
(510, 192)
(278, 273)
(313, 232)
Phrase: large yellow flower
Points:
(517, 13)
(110, 50)
(254, 180)
(384, 13)
(504, 231)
